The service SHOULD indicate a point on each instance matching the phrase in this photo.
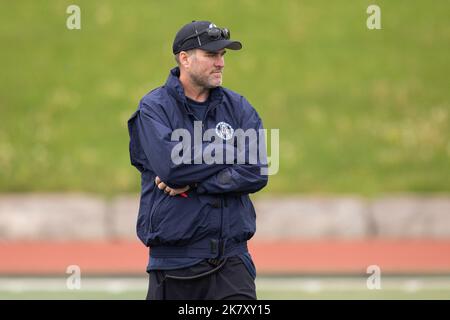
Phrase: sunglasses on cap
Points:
(214, 33)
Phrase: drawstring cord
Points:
(168, 276)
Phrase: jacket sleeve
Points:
(154, 133)
(246, 177)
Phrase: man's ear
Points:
(183, 57)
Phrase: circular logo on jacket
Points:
(224, 130)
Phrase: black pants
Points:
(226, 281)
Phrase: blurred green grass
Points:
(359, 111)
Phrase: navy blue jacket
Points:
(217, 217)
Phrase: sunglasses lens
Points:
(214, 33)
(226, 33)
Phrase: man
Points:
(196, 217)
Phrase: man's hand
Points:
(171, 191)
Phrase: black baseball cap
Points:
(203, 35)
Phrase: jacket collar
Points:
(175, 88)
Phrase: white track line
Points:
(311, 285)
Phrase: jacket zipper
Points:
(223, 198)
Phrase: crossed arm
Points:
(155, 134)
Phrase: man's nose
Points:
(220, 62)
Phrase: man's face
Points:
(205, 68)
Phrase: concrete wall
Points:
(84, 217)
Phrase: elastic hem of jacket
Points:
(199, 250)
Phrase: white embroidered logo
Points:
(224, 130)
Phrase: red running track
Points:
(288, 257)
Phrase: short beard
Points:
(201, 82)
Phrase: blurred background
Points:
(363, 114)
